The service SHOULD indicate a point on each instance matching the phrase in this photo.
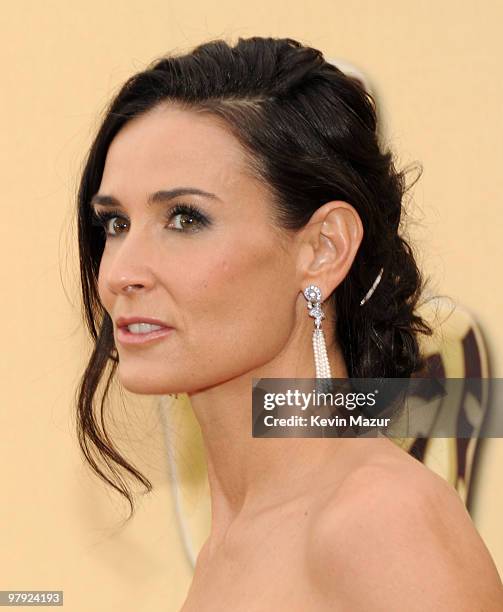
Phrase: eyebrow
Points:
(154, 198)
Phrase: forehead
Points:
(172, 146)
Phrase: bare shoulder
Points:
(393, 536)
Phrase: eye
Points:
(191, 218)
(102, 219)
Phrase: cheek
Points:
(238, 305)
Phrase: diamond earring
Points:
(312, 293)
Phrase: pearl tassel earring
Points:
(313, 297)
(312, 293)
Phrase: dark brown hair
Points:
(311, 133)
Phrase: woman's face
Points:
(223, 281)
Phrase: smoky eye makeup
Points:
(191, 219)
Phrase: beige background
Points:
(436, 70)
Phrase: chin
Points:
(148, 384)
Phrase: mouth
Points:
(141, 330)
(125, 336)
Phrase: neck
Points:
(246, 475)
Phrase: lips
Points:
(125, 321)
(127, 338)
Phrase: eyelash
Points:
(101, 219)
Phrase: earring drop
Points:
(312, 293)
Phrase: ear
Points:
(329, 243)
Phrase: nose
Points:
(129, 282)
(128, 266)
(132, 287)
